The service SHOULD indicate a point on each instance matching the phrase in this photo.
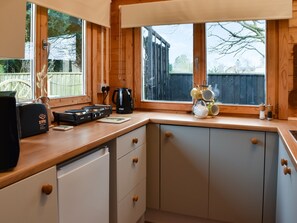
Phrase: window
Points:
(17, 75)
(66, 55)
(228, 56)
(167, 62)
(56, 44)
(236, 61)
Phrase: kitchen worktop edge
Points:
(49, 149)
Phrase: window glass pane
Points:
(236, 61)
(66, 55)
(16, 75)
(167, 62)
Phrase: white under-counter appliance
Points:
(83, 188)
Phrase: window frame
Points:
(199, 73)
(41, 58)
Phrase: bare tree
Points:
(239, 40)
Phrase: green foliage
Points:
(1, 68)
(182, 64)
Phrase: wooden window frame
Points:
(272, 45)
(41, 58)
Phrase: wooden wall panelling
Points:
(116, 70)
(137, 67)
(283, 69)
(129, 58)
(107, 60)
(292, 69)
(95, 61)
(272, 65)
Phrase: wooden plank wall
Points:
(122, 59)
(292, 73)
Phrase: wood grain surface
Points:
(49, 149)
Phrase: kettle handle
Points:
(131, 100)
(113, 95)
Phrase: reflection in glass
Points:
(66, 76)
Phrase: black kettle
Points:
(122, 97)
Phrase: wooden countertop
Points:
(46, 150)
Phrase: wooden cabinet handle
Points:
(287, 170)
(284, 162)
(168, 134)
(254, 141)
(135, 160)
(135, 198)
(47, 189)
(135, 140)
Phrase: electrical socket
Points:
(102, 88)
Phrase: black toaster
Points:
(33, 119)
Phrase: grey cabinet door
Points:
(184, 170)
(286, 205)
(236, 175)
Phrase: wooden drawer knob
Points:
(135, 140)
(135, 160)
(287, 170)
(168, 134)
(284, 162)
(254, 141)
(47, 189)
(135, 198)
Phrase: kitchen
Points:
(116, 69)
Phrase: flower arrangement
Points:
(41, 81)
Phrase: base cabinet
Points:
(31, 200)
(206, 173)
(128, 177)
(236, 175)
(184, 170)
(286, 205)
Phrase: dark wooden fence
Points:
(246, 89)
(156, 66)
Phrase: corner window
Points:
(236, 61)
(167, 63)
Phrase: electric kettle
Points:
(122, 98)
